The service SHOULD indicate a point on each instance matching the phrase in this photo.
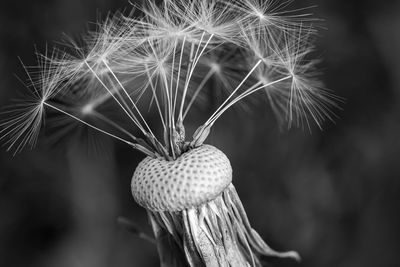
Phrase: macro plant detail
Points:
(166, 60)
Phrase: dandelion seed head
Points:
(167, 60)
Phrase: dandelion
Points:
(166, 61)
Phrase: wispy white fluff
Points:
(167, 59)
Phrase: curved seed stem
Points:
(234, 91)
(88, 124)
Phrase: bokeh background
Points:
(332, 195)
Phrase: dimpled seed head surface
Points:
(196, 177)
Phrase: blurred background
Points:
(332, 195)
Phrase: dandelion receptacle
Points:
(165, 59)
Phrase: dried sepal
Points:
(217, 233)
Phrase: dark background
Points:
(332, 195)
